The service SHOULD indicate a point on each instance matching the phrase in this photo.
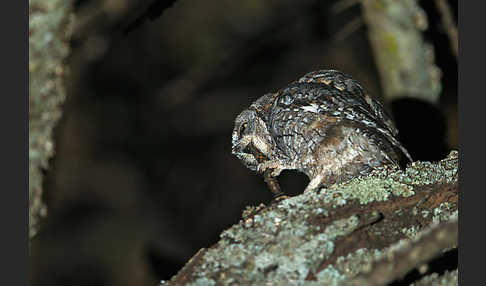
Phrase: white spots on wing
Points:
(261, 145)
(369, 100)
(313, 107)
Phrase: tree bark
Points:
(368, 231)
(50, 27)
(404, 60)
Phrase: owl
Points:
(323, 125)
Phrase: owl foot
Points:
(314, 183)
(274, 166)
(278, 198)
(272, 183)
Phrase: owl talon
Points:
(314, 184)
(278, 198)
(272, 183)
(274, 167)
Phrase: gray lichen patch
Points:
(329, 276)
(285, 249)
(444, 212)
(411, 232)
(370, 189)
(203, 281)
(357, 261)
(425, 173)
(392, 181)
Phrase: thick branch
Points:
(331, 236)
(49, 32)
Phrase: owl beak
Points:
(251, 149)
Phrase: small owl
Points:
(323, 125)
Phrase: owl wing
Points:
(348, 92)
(337, 97)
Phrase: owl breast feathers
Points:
(323, 125)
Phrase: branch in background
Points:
(404, 60)
(183, 88)
(449, 24)
(348, 29)
(330, 237)
(50, 27)
(352, 26)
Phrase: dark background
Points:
(143, 176)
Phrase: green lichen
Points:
(391, 46)
(379, 5)
(370, 189)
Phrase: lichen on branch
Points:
(332, 235)
(49, 32)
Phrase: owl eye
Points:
(243, 128)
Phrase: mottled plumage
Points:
(323, 125)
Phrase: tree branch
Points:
(50, 27)
(331, 236)
(431, 243)
(404, 60)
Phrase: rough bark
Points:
(368, 231)
(49, 31)
(404, 60)
(429, 245)
(51, 27)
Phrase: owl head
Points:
(251, 140)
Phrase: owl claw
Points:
(278, 198)
(314, 183)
